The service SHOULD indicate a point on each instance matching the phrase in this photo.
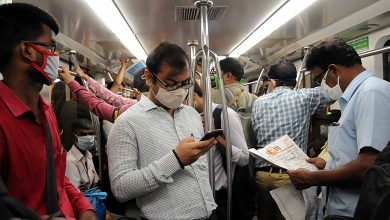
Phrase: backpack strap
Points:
(51, 186)
(217, 124)
(231, 99)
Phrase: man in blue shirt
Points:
(284, 111)
(361, 133)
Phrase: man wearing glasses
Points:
(32, 159)
(154, 152)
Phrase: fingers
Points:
(312, 160)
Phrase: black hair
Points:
(198, 90)
(139, 82)
(81, 123)
(233, 66)
(284, 73)
(18, 22)
(333, 51)
(168, 53)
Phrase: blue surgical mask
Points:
(85, 143)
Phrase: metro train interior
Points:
(98, 35)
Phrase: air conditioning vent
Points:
(185, 13)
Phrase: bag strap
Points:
(217, 125)
(231, 99)
(51, 191)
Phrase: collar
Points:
(233, 85)
(281, 89)
(352, 87)
(78, 155)
(147, 104)
(15, 104)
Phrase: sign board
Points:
(135, 67)
(360, 44)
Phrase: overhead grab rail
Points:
(374, 52)
(258, 79)
(206, 80)
(302, 68)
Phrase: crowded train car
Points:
(195, 109)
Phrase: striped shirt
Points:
(286, 112)
(143, 166)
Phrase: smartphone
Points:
(212, 134)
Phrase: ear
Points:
(27, 53)
(148, 78)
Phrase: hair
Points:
(139, 82)
(168, 53)
(198, 90)
(333, 51)
(18, 22)
(284, 73)
(233, 66)
(81, 123)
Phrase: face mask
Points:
(335, 92)
(171, 99)
(85, 143)
(49, 68)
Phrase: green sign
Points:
(360, 44)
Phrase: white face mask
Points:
(85, 143)
(51, 69)
(335, 92)
(171, 99)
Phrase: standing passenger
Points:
(361, 133)
(32, 159)
(152, 156)
(283, 111)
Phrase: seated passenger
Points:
(361, 133)
(152, 156)
(284, 111)
(79, 165)
(240, 153)
(32, 157)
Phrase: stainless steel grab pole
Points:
(374, 52)
(258, 80)
(302, 68)
(203, 5)
(227, 136)
(192, 44)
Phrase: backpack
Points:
(244, 189)
(245, 114)
(374, 198)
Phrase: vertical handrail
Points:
(192, 45)
(203, 5)
(94, 119)
(302, 68)
(259, 79)
(227, 135)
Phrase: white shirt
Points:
(142, 165)
(240, 153)
(80, 168)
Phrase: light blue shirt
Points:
(364, 122)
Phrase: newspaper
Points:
(295, 204)
(284, 153)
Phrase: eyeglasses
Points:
(318, 79)
(52, 46)
(184, 84)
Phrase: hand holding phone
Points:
(212, 134)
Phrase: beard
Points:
(36, 77)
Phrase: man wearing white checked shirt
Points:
(154, 152)
(283, 111)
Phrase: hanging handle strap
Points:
(51, 191)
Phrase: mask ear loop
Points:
(41, 69)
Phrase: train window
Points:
(386, 63)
